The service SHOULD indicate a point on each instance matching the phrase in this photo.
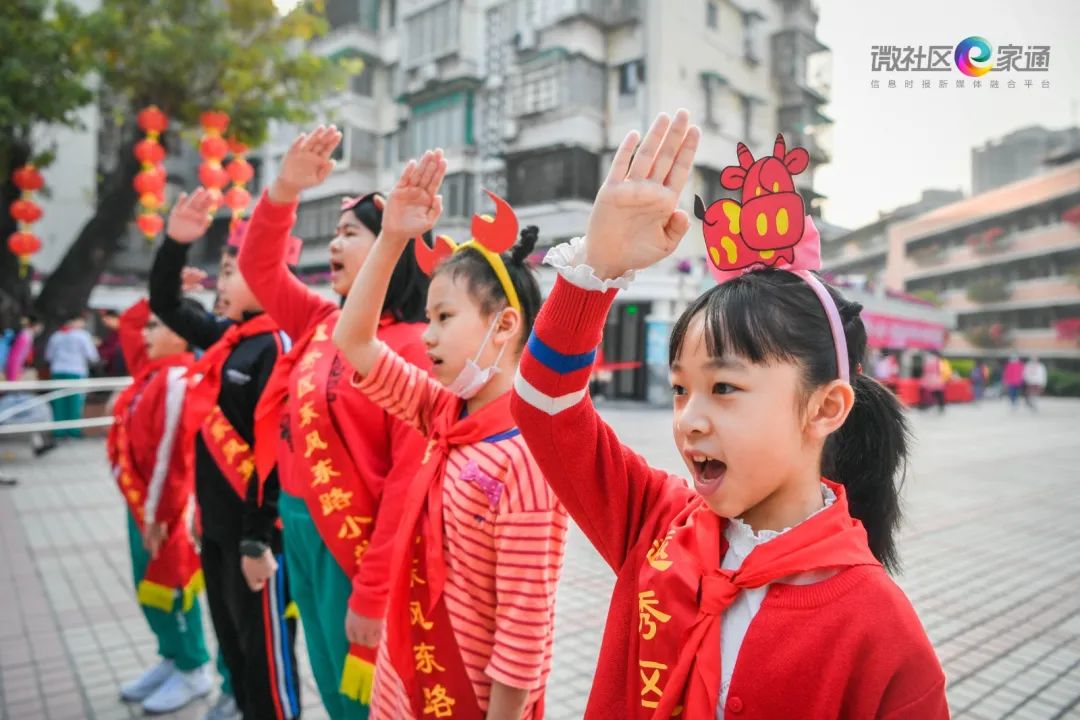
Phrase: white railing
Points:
(53, 389)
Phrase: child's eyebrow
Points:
(725, 363)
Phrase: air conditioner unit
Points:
(510, 129)
(429, 72)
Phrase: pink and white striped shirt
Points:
(504, 540)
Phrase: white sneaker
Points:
(180, 689)
(224, 709)
(144, 686)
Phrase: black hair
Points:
(483, 284)
(406, 294)
(773, 315)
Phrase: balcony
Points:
(1008, 248)
(928, 255)
(994, 293)
(992, 336)
(1043, 342)
(988, 290)
(988, 242)
(609, 13)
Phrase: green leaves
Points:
(240, 56)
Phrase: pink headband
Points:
(768, 229)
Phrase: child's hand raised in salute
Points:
(190, 216)
(635, 222)
(306, 164)
(414, 205)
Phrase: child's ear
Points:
(829, 407)
(508, 325)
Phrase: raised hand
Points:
(306, 164)
(190, 216)
(634, 221)
(414, 205)
(191, 279)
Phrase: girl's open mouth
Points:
(708, 473)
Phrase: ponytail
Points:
(868, 456)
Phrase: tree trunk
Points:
(67, 290)
(14, 290)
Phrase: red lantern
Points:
(28, 179)
(236, 147)
(150, 181)
(152, 201)
(150, 152)
(150, 224)
(23, 243)
(214, 121)
(152, 120)
(240, 170)
(237, 199)
(26, 211)
(213, 147)
(213, 176)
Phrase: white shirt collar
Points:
(742, 538)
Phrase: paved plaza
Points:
(991, 549)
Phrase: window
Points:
(432, 33)
(364, 13)
(362, 148)
(363, 82)
(712, 14)
(457, 192)
(747, 107)
(316, 220)
(557, 174)
(631, 75)
(537, 91)
(445, 122)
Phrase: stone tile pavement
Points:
(991, 548)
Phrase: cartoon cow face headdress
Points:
(768, 228)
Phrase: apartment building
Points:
(1006, 262)
(529, 98)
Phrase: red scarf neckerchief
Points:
(679, 660)
(201, 414)
(337, 498)
(423, 648)
(176, 566)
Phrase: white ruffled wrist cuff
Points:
(569, 260)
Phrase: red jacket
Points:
(848, 647)
(386, 451)
(154, 419)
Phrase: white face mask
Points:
(472, 377)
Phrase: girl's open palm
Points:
(190, 216)
(307, 162)
(414, 205)
(634, 221)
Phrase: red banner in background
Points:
(886, 331)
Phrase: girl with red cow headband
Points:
(762, 590)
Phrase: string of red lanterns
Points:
(240, 172)
(24, 242)
(213, 148)
(150, 182)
